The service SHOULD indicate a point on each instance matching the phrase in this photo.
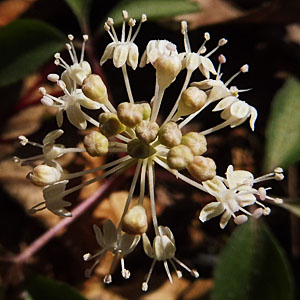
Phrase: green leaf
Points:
(44, 288)
(252, 266)
(25, 45)
(283, 128)
(154, 9)
(80, 8)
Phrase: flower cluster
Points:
(132, 130)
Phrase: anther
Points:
(240, 219)
(143, 18)
(70, 37)
(23, 140)
(267, 211)
(107, 279)
(53, 77)
(132, 22)
(57, 55)
(87, 256)
(85, 37)
(244, 68)
(222, 59)
(125, 14)
(144, 286)
(207, 36)
(262, 193)
(194, 273)
(110, 21)
(42, 91)
(106, 27)
(222, 42)
(258, 213)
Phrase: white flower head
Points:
(125, 50)
(79, 69)
(71, 102)
(163, 249)
(111, 239)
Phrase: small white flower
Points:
(156, 48)
(53, 195)
(233, 193)
(236, 111)
(110, 239)
(79, 69)
(71, 102)
(125, 50)
(163, 250)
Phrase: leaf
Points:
(294, 208)
(252, 266)
(25, 45)
(283, 134)
(154, 9)
(44, 288)
(80, 8)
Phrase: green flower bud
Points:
(145, 109)
(96, 144)
(179, 157)
(195, 141)
(135, 220)
(94, 88)
(169, 134)
(167, 69)
(43, 175)
(192, 99)
(147, 131)
(130, 114)
(202, 168)
(138, 149)
(110, 124)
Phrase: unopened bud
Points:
(110, 124)
(169, 134)
(43, 175)
(167, 69)
(202, 168)
(179, 157)
(94, 88)
(96, 144)
(147, 131)
(196, 142)
(192, 99)
(130, 114)
(145, 109)
(135, 220)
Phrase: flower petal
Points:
(224, 219)
(147, 246)
(52, 136)
(76, 116)
(224, 103)
(120, 55)
(211, 210)
(253, 114)
(133, 56)
(108, 53)
(99, 236)
(59, 117)
(109, 233)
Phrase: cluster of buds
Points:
(132, 131)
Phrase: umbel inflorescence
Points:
(132, 131)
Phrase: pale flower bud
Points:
(138, 149)
(135, 220)
(96, 144)
(145, 110)
(110, 124)
(167, 69)
(202, 168)
(43, 175)
(179, 157)
(192, 99)
(94, 88)
(130, 114)
(147, 131)
(169, 134)
(196, 142)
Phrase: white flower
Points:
(156, 48)
(233, 194)
(71, 102)
(53, 195)
(110, 239)
(163, 250)
(79, 69)
(123, 51)
(236, 111)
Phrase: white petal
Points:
(239, 177)
(108, 53)
(59, 117)
(88, 103)
(217, 92)
(76, 116)
(193, 61)
(169, 247)
(147, 246)
(125, 249)
(240, 109)
(253, 114)
(204, 71)
(165, 230)
(133, 56)
(208, 65)
(120, 55)
(224, 219)
(211, 210)
(99, 236)
(215, 186)
(109, 232)
(52, 136)
(224, 103)
(143, 60)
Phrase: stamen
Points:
(243, 69)
(125, 273)
(71, 38)
(53, 77)
(89, 271)
(42, 91)
(184, 31)
(47, 101)
(168, 271)
(69, 48)
(221, 43)
(143, 19)
(145, 283)
(85, 39)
